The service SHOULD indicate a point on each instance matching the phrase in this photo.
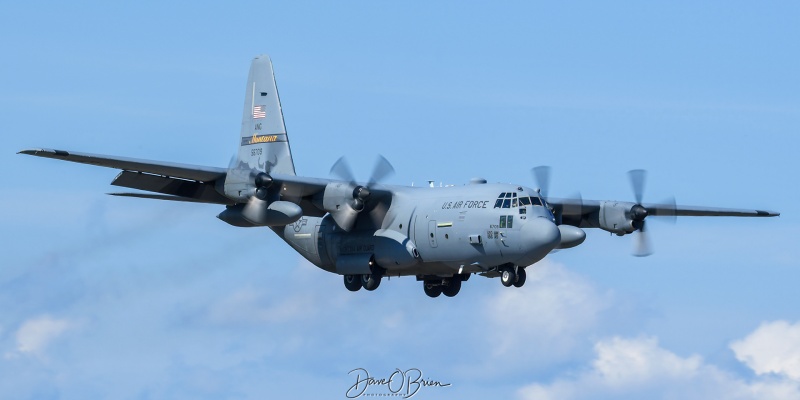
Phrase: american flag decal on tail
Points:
(258, 112)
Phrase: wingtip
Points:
(768, 213)
(44, 152)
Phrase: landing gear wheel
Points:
(431, 289)
(507, 277)
(452, 287)
(521, 276)
(370, 281)
(352, 282)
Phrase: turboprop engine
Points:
(344, 200)
(262, 207)
(620, 217)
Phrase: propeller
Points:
(256, 207)
(541, 175)
(572, 208)
(380, 171)
(638, 213)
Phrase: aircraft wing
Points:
(183, 171)
(696, 211)
(178, 182)
(584, 213)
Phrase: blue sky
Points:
(123, 298)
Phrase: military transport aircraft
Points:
(367, 231)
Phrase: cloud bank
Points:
(635, 368)
(255, 327)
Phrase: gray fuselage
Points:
(435, 231)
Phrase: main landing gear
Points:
(509, 277)
(369, 282)
(450, 287)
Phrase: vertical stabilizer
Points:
(264, 145)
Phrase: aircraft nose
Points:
(538, 237)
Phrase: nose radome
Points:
(539, 236)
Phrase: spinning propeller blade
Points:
(642, 247)
(541, 175)
(638, 179)
(380, 171)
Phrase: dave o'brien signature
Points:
(400, 383)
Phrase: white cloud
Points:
(773, 348)
(36, 334)
(546, 319)
(622, 362)
(639, 368)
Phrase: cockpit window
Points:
(535, 201)
(506, 200)
(524, 201)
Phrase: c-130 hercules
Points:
(441, 235)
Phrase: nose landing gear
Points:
(521, 277)
(509, 277)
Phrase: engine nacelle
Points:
(615, 217)
(277, 213)
(338, 199)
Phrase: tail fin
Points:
(264, 144)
